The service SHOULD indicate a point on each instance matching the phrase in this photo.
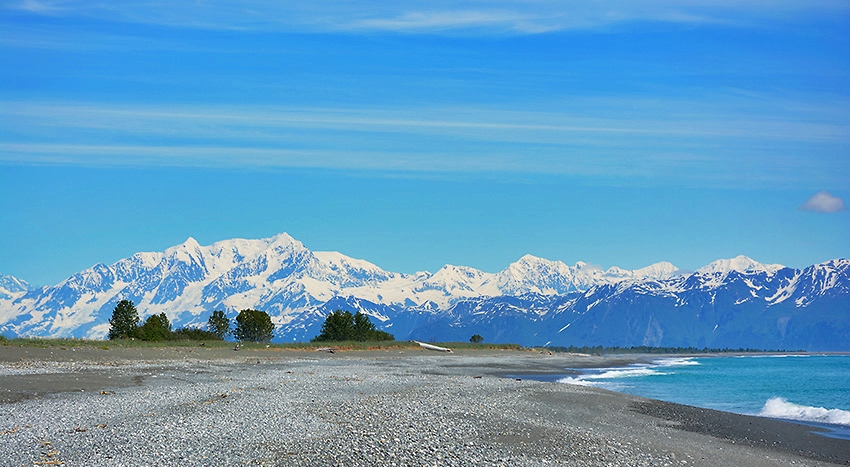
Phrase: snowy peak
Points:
(458, 280)
(658, 271)
(284, 243)
(191, 244)
(346, 271)
(529, 264)
(12, 286)
(538, 275)
(453, 273)
(741, 264)
(820, 279)
(837, 266)
(342, 264)
(185, 251)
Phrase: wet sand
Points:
(214, 406)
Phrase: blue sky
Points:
(423, 133)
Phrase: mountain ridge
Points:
(296, 285)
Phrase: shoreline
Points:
(651, 360)
(543, 413)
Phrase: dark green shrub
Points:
(253, 326)
(342, 326)
(156, 328)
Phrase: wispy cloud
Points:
(656, 144)
(36, 6)
(823, 201)
(583, 117)
(448, 20)
(476, 17)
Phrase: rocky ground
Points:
(186, 407)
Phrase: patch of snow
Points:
(741, 264)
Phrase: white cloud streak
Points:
(433, 17)
(588, 117)
(825, 202)
(35, 6)
(657, 144)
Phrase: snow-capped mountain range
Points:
(533, 301)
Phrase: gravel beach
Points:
(202, 407)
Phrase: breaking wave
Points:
(601, 379)
(777, 407)
(600, 376)
(676, 361)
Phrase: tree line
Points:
(250, 326)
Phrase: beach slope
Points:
(184, 406)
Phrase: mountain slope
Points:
(11, 286)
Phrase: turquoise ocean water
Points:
(814, 389)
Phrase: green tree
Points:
(254, 326)
(156, 328)
(476, 339)
(363, 329)
(337, 327)
(218, 324)
(124, 321)
(341, 326)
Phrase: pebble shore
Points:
(351, 409)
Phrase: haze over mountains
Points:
(729, 303)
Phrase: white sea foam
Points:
(601, 379)
(676, 361)
(784, 355)
(630, 372)
(579, 381)
(777, 407)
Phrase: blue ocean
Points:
(813, 389)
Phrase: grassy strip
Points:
(354, 345)
(342, 346)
